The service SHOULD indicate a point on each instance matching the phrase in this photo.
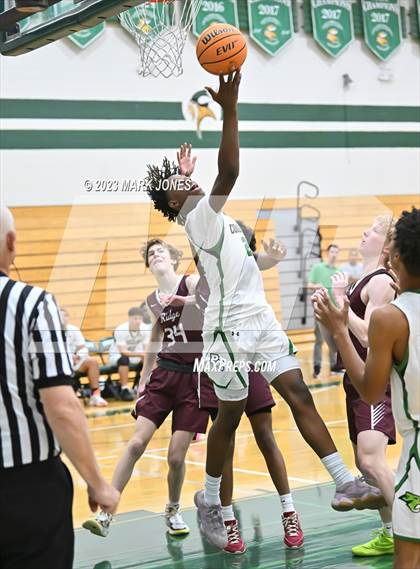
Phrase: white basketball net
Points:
(160, 30)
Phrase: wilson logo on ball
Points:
(221, 49)
(213, 34)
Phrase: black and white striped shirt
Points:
(32, 356)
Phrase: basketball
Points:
(221, 49)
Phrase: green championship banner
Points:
(332, 22)
(84, 38)
(215, 12)
(145, 19)
(270, 23)
(382, 26)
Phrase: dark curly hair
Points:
(407, 240)
(175, 253)
(154, 186)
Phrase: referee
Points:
(38, 411)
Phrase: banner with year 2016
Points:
(270, 23)
(382, 26)
(332, 22)
(215, 12)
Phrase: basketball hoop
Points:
(160, 28)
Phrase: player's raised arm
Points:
(228, 161)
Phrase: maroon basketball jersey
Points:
(361, 416)
(181, 326)
(358, 306)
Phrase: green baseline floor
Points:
(138, 539)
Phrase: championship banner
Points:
(215, 12)
(270, 23)
(86, 37)
(332, 22)
(382, 26)
(143, 19)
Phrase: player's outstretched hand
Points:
(176, 300)
(316, 294)
(227, 96)
(339, 282)
(186, 162)
(105, 496)
(332, 317)
(275, 249)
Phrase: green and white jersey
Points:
(405, 390)
(405, 378)
(235, 282)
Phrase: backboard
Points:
(20, 33)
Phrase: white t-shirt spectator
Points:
(147, 332)
(75, 339)
(354, 272)
(131, 340)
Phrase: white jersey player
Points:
(240, 328)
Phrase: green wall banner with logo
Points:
(332, 22)
(144, 19)
(84, 38)
(270, 23)
(215, 12)
(382, 26)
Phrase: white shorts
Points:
(406, 507)
(256, 343)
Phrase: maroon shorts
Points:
(172, 391)
(364, 417)
(259, 395)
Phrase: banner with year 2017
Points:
(270, 23)
(215, 12)
(382, 26)
(332, 22)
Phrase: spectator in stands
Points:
(353, 268)
(320, 277)
(80, 359)
(128, 349)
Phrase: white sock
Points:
(212, 489)
(387, 527)
(337, 469)
(124, 387)
(287, 503)
(173, 504)
(227, 513)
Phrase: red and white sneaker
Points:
(293, 534)
(235, 545)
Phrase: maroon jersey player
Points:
(371, 427)
(167, 383)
